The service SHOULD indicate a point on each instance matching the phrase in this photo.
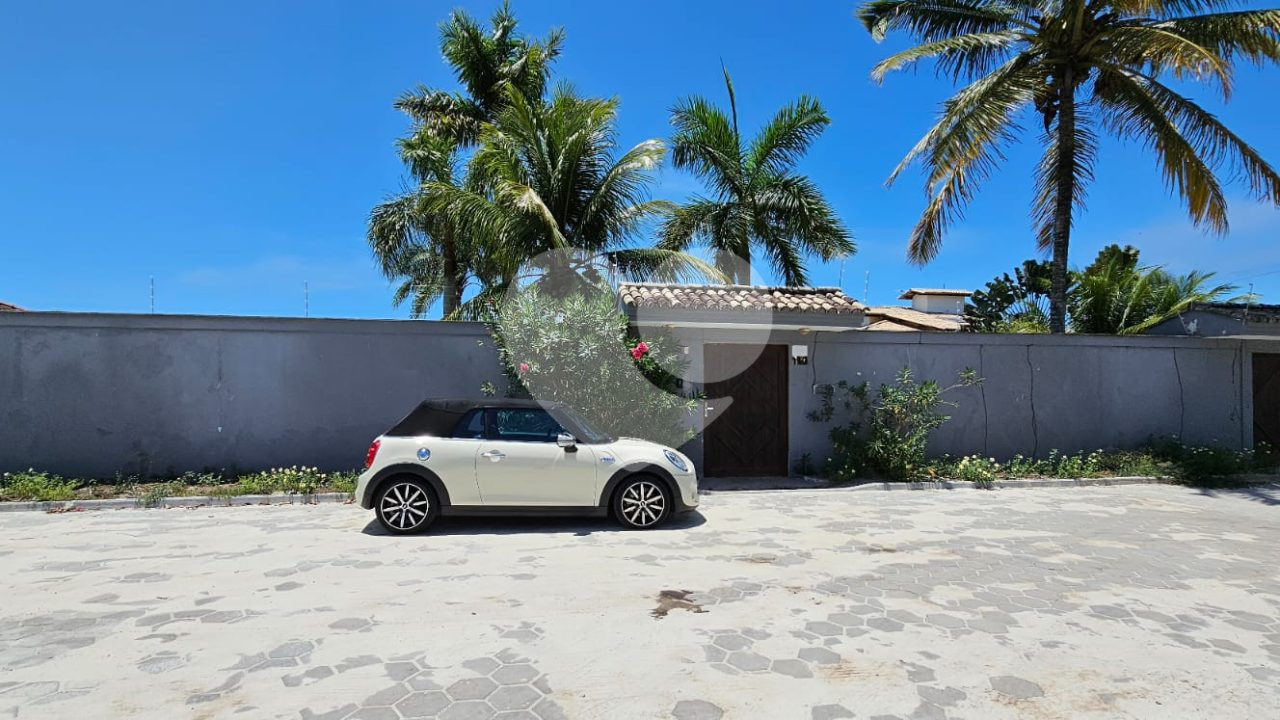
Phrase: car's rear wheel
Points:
(406, 505)
(642, 502)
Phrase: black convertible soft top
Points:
(439, 416)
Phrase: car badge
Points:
(423, 453)
(606, 459)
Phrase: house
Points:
(760, 353)
(932, 310)
(1223, 319)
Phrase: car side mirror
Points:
(567, 441)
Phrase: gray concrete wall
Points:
(93, 395)
(1041, 393)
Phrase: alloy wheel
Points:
(643, 503)
(404, 506)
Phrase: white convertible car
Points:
(518, 457)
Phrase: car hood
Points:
(634, 449)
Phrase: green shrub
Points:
(1199, 462)
(37, 486)
(887, 434)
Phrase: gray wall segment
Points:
(99, 394)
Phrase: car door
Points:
(521, 464)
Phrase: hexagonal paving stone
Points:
(374, 713)
(423, 704)
(389, 696)
(468, 710)
(732, 641)
(514, 674)
(830, 712)
(514, 697)
(748, 661)
(793, 668)
(825, 629)
(845, 619)
(472, 689)
(423, 682)
(482, 665)
(821, 656)
(296, 648)
(884, 624)
(696, 710)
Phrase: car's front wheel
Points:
(406, 505)
(642, 502)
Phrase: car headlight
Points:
(676, 460)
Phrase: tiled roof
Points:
(913, 319)
(826, 300)
(6, 307)
(933, 291)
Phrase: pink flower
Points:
(524, 368)
(640, 351)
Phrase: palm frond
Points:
(961, 57)
(787, 136)
(1251, 34)
(931, 20)
(660, 265)
(1189, 141)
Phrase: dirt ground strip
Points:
(1110, 602)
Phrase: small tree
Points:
(888, 434)
(575, 348)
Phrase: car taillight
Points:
(373, 453)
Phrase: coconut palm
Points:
(423, 251)
(1081, 67)
(546, 177)
(759, 201)
(486, 63)
(1115, 295)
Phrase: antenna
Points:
(306, 299)
(841, 283)
(153, 294)
(866, 288)
(1248, 302)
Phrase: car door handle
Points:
(493, 455)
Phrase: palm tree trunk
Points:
(452, 283)
(1065, 181)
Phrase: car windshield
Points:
(585, 431)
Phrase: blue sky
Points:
(232, 150)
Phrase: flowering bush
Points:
(291, 480)
(575, 348)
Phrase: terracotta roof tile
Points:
(6, 307)
(914, 319)
(738, 297)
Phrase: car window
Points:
(525, 425)
(471, 425)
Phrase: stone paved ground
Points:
(1103, 602)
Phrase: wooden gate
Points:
(750, 437)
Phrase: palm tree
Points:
(423, 250)
(1115, 295)
(758, 198)
(545, 179)
(485, 64)
(1079, 66)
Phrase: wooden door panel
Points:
(1266, 400)
(750, 437)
